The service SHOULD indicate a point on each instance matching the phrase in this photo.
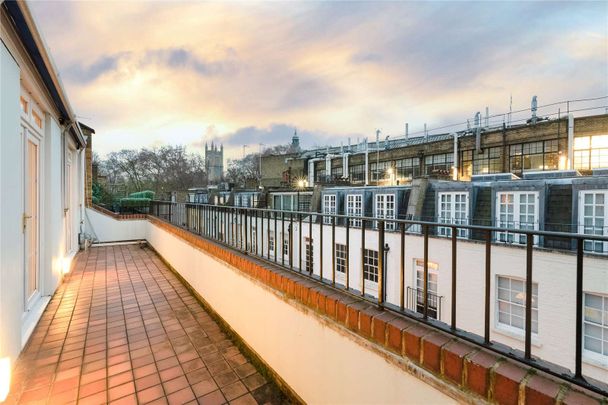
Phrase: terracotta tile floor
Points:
(123, 329)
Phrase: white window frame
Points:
(511, 237)
(595, 216)
(341, 259)
(433, 282)
(354, 208)
(271, 242)
(447, 212)
(384, 210)
(369, 264)
(600, 325)
(309, 259)
(329, 207)
(508, 302)
(285, 244)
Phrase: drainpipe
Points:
(345, 173)
(328, 165)
(455, 174)
(366, 163)
(570, 141)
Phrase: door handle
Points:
(25, 218)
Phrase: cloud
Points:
(170, 71)
(180, 58)
(82, 74)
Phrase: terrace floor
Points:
(122, 328)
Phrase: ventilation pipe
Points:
(328, 165)
(487, 117)
(534, 108)
(478, 132)
(407, 130)
(311, 171)
(366, 162)
(570, 141)
(425, 133)
(455, 172)
(345, 172)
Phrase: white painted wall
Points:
(555, 273)
(18, 78)
(104, 228)
(273, 327)
(11, 244)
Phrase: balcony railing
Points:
(249, 230)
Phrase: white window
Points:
(309, 254)
(433, 299)
(329, 207)
(370, 265)
(385, 208)
(285, 244)
(516, 210)
(511, 303)
(595, 326)
(271, 242)
(237, 201)
(245, 201)
(354, 208)
(453, 209)
(341, 258)
(593, 205)
(285, 202)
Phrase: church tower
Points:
(214, 163)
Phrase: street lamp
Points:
(299, 185)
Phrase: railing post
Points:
(488, 280)
(425, 283)
(454, 252)
(282, 238)
(290, 232)
(578, 367)
(276, 236)
(381, 263)
(333, 251)
(300, 242)
(402, 268)
(309, 255)
(528, 336)
(321, 247)
(362, 258)
(347, 263)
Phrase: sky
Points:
(148, 73)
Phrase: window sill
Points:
(596, 360)
(516, 334)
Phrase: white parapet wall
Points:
(320, 362)
(105, 228)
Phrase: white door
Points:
(31, 214)
(67, 212)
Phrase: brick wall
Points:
(475, 373)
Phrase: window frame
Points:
(370, 267)
(383, 212)
(514, 237)
(353, 211)
(447, 231)
(329, 207)
(599, 247)
(509, 327)
(593, 355)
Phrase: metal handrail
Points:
(231, 226)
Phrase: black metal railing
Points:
(276, 236)
(415, 302)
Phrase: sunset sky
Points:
(151, 73)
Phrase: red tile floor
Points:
(123, 329)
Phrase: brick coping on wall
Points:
(468, 372)
(120, 217)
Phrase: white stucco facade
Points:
(42, 186)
